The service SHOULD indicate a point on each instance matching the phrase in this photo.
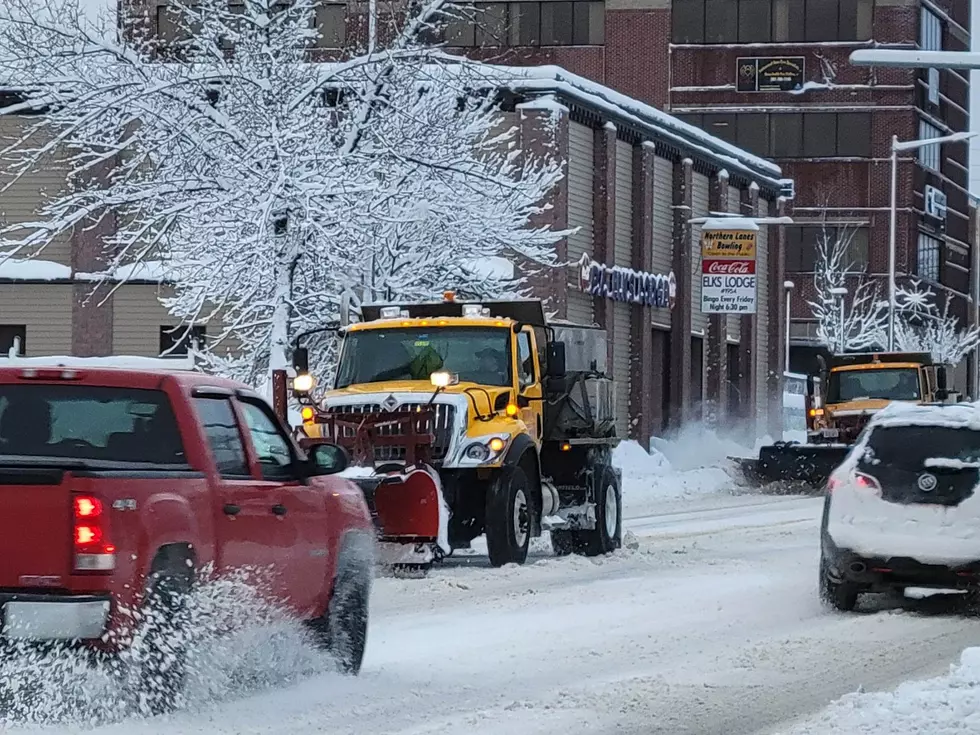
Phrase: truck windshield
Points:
(895, 384)
(89, 423)
(476, 354)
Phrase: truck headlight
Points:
(479, 452)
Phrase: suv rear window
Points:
(89, 423)
(908, 447)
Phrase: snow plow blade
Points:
(810, 464)
(405, 507)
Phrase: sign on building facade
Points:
(728, 277)
(770, 74)
(627, 285)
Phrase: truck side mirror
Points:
(301, 360)
(810, 389)
(942, 389)
(556, 360)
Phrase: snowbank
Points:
(945, 705)
(675, 469)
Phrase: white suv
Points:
(902, 510)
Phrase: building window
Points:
(175, 341)
(928, 257)
(8, 334)
(803, 246)
(549, 23)
(929, 156)
(331, 22)
(792, 135)
(171, 25)
(931, 39)
(763, 21)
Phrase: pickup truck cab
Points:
(119, 487)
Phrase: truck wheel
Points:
(161, 651)
(839, 595)
(508, 519)
(342, 630)
(607, 536)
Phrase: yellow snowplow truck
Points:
(464, 419)
(853, 388)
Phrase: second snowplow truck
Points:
(853, 388)
(469, 419)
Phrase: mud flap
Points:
(409, 507)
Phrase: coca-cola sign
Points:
(729, 267)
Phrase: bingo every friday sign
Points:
(728, 277)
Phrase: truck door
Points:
(529, 384)
(302, 525)
(242, 518)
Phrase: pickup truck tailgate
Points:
(35, 527)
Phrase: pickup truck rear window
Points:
(83, 422)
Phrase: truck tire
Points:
(607, 536)
(161, 651)
(342, 630)
(508, 518)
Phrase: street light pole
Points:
(840, 292)
(789, 286)
(892, 217)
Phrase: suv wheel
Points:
(839, 595)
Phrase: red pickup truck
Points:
(117, 487)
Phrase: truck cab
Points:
(501, 418)
(859, 385)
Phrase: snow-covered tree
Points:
(263, 184)
(864, 323)
(920, 324)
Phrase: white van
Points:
(903, 510)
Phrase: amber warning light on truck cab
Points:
(93, 551)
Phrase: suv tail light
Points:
(93, 550)
(858, 479)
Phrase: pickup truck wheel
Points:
(342, 630)
(607, 536)
(508, 518)
(160, 653)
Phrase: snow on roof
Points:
(556, 79)
(17, 269)
(122, 362)
(954, 415)
(723, 224)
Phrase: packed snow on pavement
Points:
(706, 622)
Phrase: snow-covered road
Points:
(710, 625)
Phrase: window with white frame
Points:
(929, 256)
(931, 39)
(929, 155)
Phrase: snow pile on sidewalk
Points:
(946, 705)
(692, 464)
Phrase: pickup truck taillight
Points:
(93, 550)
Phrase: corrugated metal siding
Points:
(700, 199)
(735, 207)
(762, 319)
(137, 316)
(20, 202)
(581, 167)
(45, 311)
(663, 226)
(622, 252)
